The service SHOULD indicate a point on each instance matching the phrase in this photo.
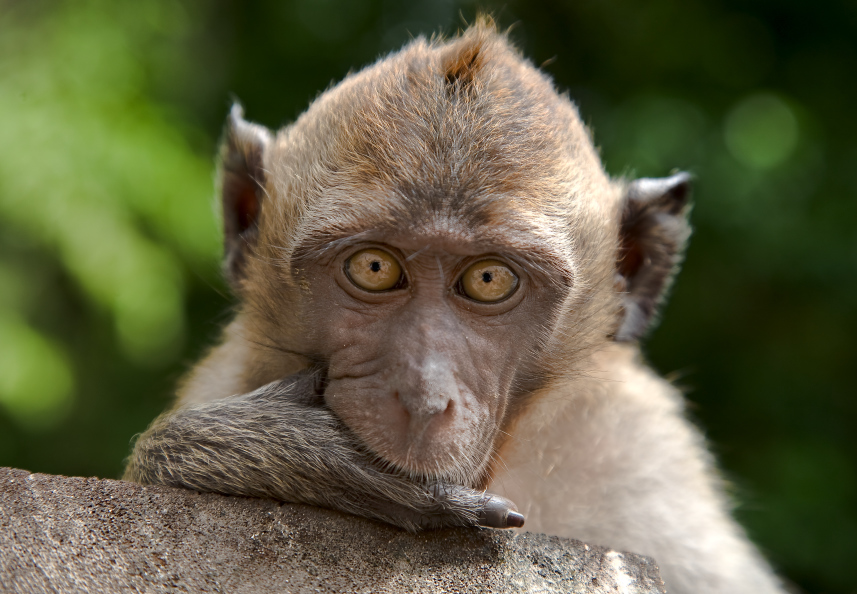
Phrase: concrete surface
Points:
(60, 534)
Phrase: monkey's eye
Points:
(488, 281)
(374, 270)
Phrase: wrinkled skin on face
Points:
(424, 374)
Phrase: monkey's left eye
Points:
(374, 270)
(488, 281)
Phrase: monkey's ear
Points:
(242, 182)
(652, 238)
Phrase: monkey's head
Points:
(438, 233)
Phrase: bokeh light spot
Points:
(761, 131)
(36, 386)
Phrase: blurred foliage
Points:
(109, 282)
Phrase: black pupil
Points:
(375, 266)
(487, 277)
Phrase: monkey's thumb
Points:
(499, 512)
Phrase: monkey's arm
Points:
(280, 442)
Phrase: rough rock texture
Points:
(61, 534)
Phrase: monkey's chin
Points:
(439, 465)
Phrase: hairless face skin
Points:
(424, 363)
(441, 294)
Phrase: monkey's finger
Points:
(499, 512)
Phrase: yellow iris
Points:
(373, 270)
(489, 280)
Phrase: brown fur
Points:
(360, 158)
(460, 148)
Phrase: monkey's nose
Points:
(428, 391)
(422, 408)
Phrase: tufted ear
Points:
(654, 232)
(241, 181)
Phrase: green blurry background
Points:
(109, 282)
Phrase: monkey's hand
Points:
(281, 442)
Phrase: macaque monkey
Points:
(441, 295)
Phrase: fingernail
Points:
(499, 512)
(515, 519)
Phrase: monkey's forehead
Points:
(463, 117)
(463, 133)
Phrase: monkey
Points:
(441, 296)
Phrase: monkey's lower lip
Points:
(423, 464)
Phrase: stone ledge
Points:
(60, 534)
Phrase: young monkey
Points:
(441, 293)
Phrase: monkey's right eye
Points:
(374, 270)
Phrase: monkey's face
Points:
(452, 236)
(429, 340)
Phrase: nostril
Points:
(421, 405)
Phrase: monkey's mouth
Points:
(449, 446)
